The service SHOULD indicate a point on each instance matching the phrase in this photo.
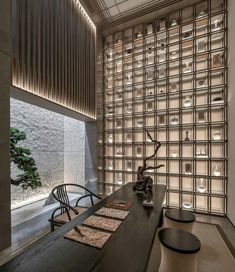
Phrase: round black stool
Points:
(179, 250)
(179, 219)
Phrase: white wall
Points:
(74, 151)
(231, 111)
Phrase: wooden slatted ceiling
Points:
(54, 53)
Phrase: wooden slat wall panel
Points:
(54, 53)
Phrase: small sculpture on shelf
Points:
(145, 183)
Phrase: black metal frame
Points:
(60, 193)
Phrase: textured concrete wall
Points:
(74, 151)
(45, 138)
(57, 144)
(5, 81)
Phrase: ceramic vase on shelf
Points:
(110, 166)
(187, 201)
(119, 179)
(174, 154)
(100, 140)
(216, 171)
(188, 101)
(201, 186)
(217, 135)
(188, 168)
(110, 138)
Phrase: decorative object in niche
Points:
(188, 67)
(129, 108)
(150, 106)
(119, 178)
(187, 201)
(118, 151)
(217, 100)
(174, 86)
(110, 138)
(201, 83)
(119, 95)
(217, 60)
(174, 23)
(188, 168)
(201, 14)
(100, 139)
(174, 120)
(173, 55)
(187, 34)
(110, 167)
(188, 101)
(201, 46)
(216, 171)
(217, 135)
(139, 122)
(139, 151)
(186, 136)
(201, 186)
(201, 152)
(174, 154)
(129, 166)
(216, 25)
(161, 120)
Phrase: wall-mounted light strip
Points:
(54, 53)
(85, 14)
(85, 113)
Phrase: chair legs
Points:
(52, 226)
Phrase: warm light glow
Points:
(84, 13)
(36, 92)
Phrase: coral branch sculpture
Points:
(145, 183)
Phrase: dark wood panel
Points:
(128, 249)
(54, 53)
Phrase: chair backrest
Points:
(60, 193)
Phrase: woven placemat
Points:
(112, 213)
(88, 236)
(102, 223)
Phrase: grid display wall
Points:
(169, 76)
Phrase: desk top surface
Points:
(128, 249)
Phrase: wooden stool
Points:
(178, 250)
(179, 219)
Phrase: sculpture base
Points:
(148, 204)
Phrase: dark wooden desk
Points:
(127, 250)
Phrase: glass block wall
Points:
(168, 75)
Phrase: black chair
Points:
(66, 212)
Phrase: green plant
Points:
(21, 157)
